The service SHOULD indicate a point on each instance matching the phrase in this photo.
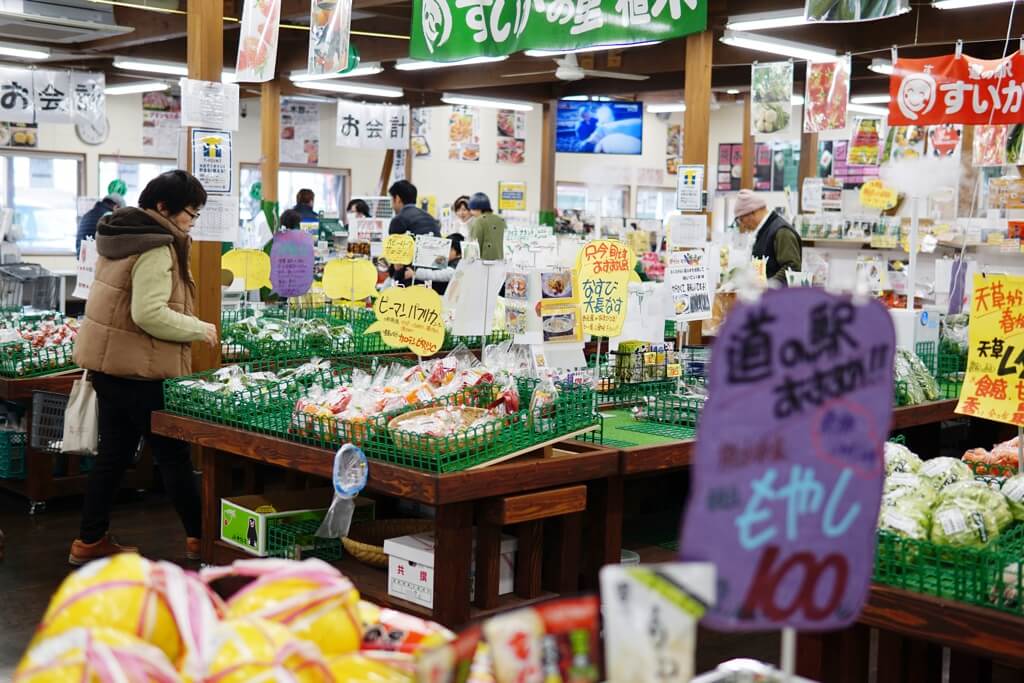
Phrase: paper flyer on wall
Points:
(300, 132)
(208, 104)
(218, 221)
(464, 133)
(211, 159)
(511, 136)
(161, 123)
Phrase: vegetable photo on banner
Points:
(854, 10)
(329, 24)
(257, 42)
(827, 92)
(771, 92)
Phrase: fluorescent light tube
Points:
(353, 89)
(577, 98)
(766, 20)
(870, 99)
(666, 108)
(775, 46)
(132, 88)
(24, 51)
(362, 70)
(962, 4)
(595, 48)
(471, 101)
(420, 64)
(881, 66)
(732, 91)
(151, 66)
(867, 109)
(797, 100)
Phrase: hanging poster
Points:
(904, 142)
(300, 132)
(853, 10)
(673, 147)
(17, 102)
(421, 133)
(218, 221)
(161, 124)
(398, 165)
(689, 283)
(52, 91)
(463, 133)
(209, 104)
(446, 32)
(291, 263)
(211, 159)
(602, 270)
(88, 97)
(864, 141)
(329, 35)
(995, 355)
(788, 465)
(1014, 138)
(369, 229)
(826, 95)
(257, 41)
(771, 91)
(511, 196)
(989, 146)
(511, 136)
(372, 126)
(944, 140)
(730, 166)
(690, 188)
(811, 195)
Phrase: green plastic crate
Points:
(948, 367)
(611, 393)
(19, 360)
(12, 455)
(287, 538)
(683, 411)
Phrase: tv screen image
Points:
(600, 127)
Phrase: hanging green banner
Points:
(450, 30)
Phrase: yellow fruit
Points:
(358, 668)
(256, 650)
(94, 656)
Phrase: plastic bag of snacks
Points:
(311, 598)
(390, 631)
(157, 601)
(450, 662)
(95, 655)
(251, 650)
(542, 404)
(360, 668)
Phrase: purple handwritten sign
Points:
(291, 263)
(787, 475)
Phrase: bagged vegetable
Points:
(358, 668)
(1013, 491)
(963, 523)
(390, 631)
(993, 501)
(899, 458)
(248, 650)
(95, 655)
(943, 471)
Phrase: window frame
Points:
(82, 159)
(102, 191)
(326, 170)
(627, 191)
(652, 188)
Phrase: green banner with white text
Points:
(451, 30)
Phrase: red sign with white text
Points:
(953, 89)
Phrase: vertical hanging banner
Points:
(788, 468)
(602, 271)
(771, 93)
(372, 126)
(826, 95)
(17, 103)
(291, 263)
(52, 96)
(994, 386)
(257, 41)
(329, 24)
(89, 100)
(865, 141)
(853, 10)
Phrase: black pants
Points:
(125, 407)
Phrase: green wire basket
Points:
(20, 360)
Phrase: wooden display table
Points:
(456, 498)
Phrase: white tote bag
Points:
(81, 419)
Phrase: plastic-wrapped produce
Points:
(95, 655)
(899, 458)
(358, 668)
(941, 472)
(250, 649)
(979, 492)
(964, 523)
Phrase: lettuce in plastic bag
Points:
(1013, 491)
(903, 487)
(910, 520)
(899, 458)
(942, 472)
(964, 523)
(977, 491)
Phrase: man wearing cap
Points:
(87, 224)
(776, 239)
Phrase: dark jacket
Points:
(87, 224)
(781, 244)
(307, 213)
(414, 221)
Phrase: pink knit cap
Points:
(747, 202)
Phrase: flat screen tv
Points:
(600, 127)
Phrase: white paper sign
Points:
(208, 104)
(17, 104)
(218, 221)
(52, 96)
(369, 229)
(474, 297)
(687, 231)
(87, 257)
(88, 97)
(687, 276)
(690, 187)
(372, 126)
(431, 252)
(811, 195)
(211, 159)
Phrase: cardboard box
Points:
(411, 568)
(244, 520)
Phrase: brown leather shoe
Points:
(105, 547)
(193, 549)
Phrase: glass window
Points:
(655, 202)
(136, 174)
(328, 185)
(43, 190)
(600, 202)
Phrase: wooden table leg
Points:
(216, 468)
(529, 558)
(889, 663)
(562, 544)
(604, 519)
(488, 565)
(453, 553)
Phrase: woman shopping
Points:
(138, 329)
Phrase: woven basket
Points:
(365, 542)
(459, 439)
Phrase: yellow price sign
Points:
(409, 317)
(350, 278)
(603, 268)
(252, 266)
(673, 370)
(875, 194)
(399, 249)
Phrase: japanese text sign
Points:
(449, 31)
(291, 263)
(410, 317)
(350, 279)
(372, 126)
(35, 95)
(602, 271)
(431, 252)
(994, 385)
(211, 159)
(953, 89)
(787, 477)
(690, 187)
(252, 266)
(17, 103)
(689, 284)
(52, 90)
(399, 249)
(875, 194)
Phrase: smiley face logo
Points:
(916, 95)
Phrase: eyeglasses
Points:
(193, 216)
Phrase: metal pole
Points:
(912, 269)
(788, 656)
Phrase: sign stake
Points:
(787, 658)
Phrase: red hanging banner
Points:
(953, 89)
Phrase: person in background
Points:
(487, 229)
(461, 216)
(408, 217)
(358, 209)
(138, 329)
(440, 277)
(304, 205)
(776, 239)
(586, 127)
(291, 219)
(87, 223)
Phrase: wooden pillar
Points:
(808, 160)
(270, 139)
(747, 174)
(547, 162)
(205, 25)
(385, 172)
(697, 118)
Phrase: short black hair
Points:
(175, 190)
(291, 219)
(457, 243)
(405, 191)
(462, 201)
(359, 206)
(305, 196)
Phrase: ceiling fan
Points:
(568, 69)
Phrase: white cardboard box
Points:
(411, 568)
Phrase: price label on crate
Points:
(673, 370)
(788, 462)
(410, 317)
